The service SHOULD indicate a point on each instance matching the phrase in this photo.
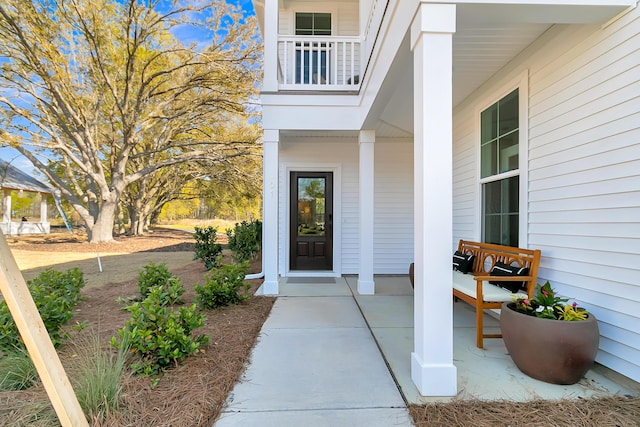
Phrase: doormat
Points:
(310, 280)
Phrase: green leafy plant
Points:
(206, 247)
(153, 275)
(245, 240)
(55, 295)
(222, 286)
(548, 305)
(160, 335)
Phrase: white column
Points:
(270, 66)
(6, 217)
(432, 368)
(43, 207)
(366, 285)
(270, 246)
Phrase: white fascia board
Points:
(310, 100)
(307, 117)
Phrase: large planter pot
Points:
(554, 351)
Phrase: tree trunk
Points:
(102, 229)
(120, 228)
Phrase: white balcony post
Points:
(432, 368)
(366, 285)
(270, 218)
(270, 81)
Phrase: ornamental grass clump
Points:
(548, 305)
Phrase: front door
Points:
(311, 221)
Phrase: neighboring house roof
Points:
(13, 178)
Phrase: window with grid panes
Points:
(499, 171)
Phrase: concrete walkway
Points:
(316, 364)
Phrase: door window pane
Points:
(311, 57)
(311, 206)
(308, 70)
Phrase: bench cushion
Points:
(502, 269)
(466, 284)
(462, 263)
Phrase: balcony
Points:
(318, 63)
(329, 55)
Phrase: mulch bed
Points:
(192, 394)
(601, 412)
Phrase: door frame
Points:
(337, 219)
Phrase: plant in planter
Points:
(549, 339)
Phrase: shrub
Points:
(159, 275)
(222, 286)
(55, 295)
(245, 240)
(152, 275)
(206, 247)
(160, 335)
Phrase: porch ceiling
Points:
(479, 51)
(487, 38)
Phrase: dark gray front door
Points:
(311, 221)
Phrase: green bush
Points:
(206, 247)
(55, 295)
(222, 286)
(245, 240)
(152, 275)
(159, 275)
(160, 335)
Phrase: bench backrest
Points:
(487, 254)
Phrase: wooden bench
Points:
(468, 286)
(476, 282)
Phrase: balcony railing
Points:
(319, 63)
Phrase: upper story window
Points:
(313, 24)
(499, 171)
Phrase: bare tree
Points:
(100, 94)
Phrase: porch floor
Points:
(317, 360)
(488, 373)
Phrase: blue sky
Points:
(187, 35)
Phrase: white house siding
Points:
(465, 202)
(393, 201)
(584, 172)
